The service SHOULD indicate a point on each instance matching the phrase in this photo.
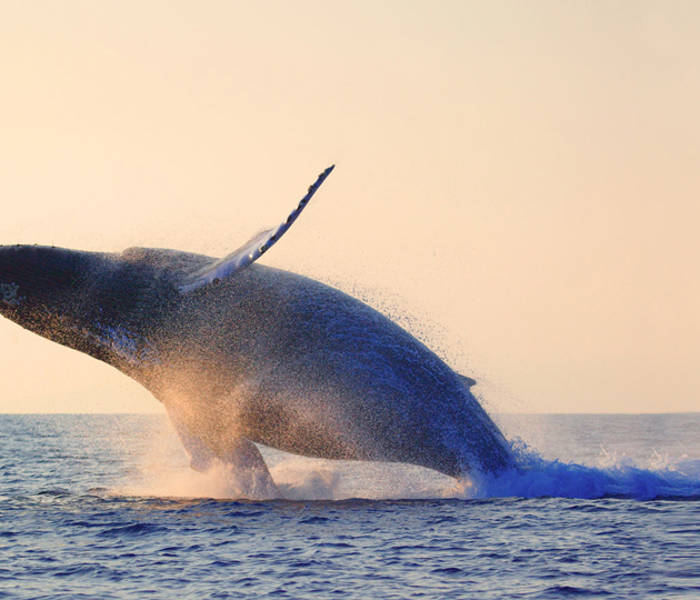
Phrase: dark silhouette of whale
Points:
(241, 353)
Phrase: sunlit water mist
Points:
(161, 469)
(106, 506)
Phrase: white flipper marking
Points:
(252, 249)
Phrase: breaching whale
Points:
(241, 353)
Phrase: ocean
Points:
(105, 506)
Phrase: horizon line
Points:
(682, 412)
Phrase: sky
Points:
(516, 183)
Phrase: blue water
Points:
(97, 506)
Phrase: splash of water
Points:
(162, 470)
(538, 477)
(300, 478)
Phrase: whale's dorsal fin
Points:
(467, 381)
(252, 250)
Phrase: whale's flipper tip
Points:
(253, 249)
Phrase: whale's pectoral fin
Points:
(238, 459)
(252, 249)
(247, 469)
(241, 465)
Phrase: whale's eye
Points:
(9, 294)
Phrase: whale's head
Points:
(88, 301)
(36, 281)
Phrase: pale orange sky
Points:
(518, 182)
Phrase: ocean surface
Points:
(105, 506)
